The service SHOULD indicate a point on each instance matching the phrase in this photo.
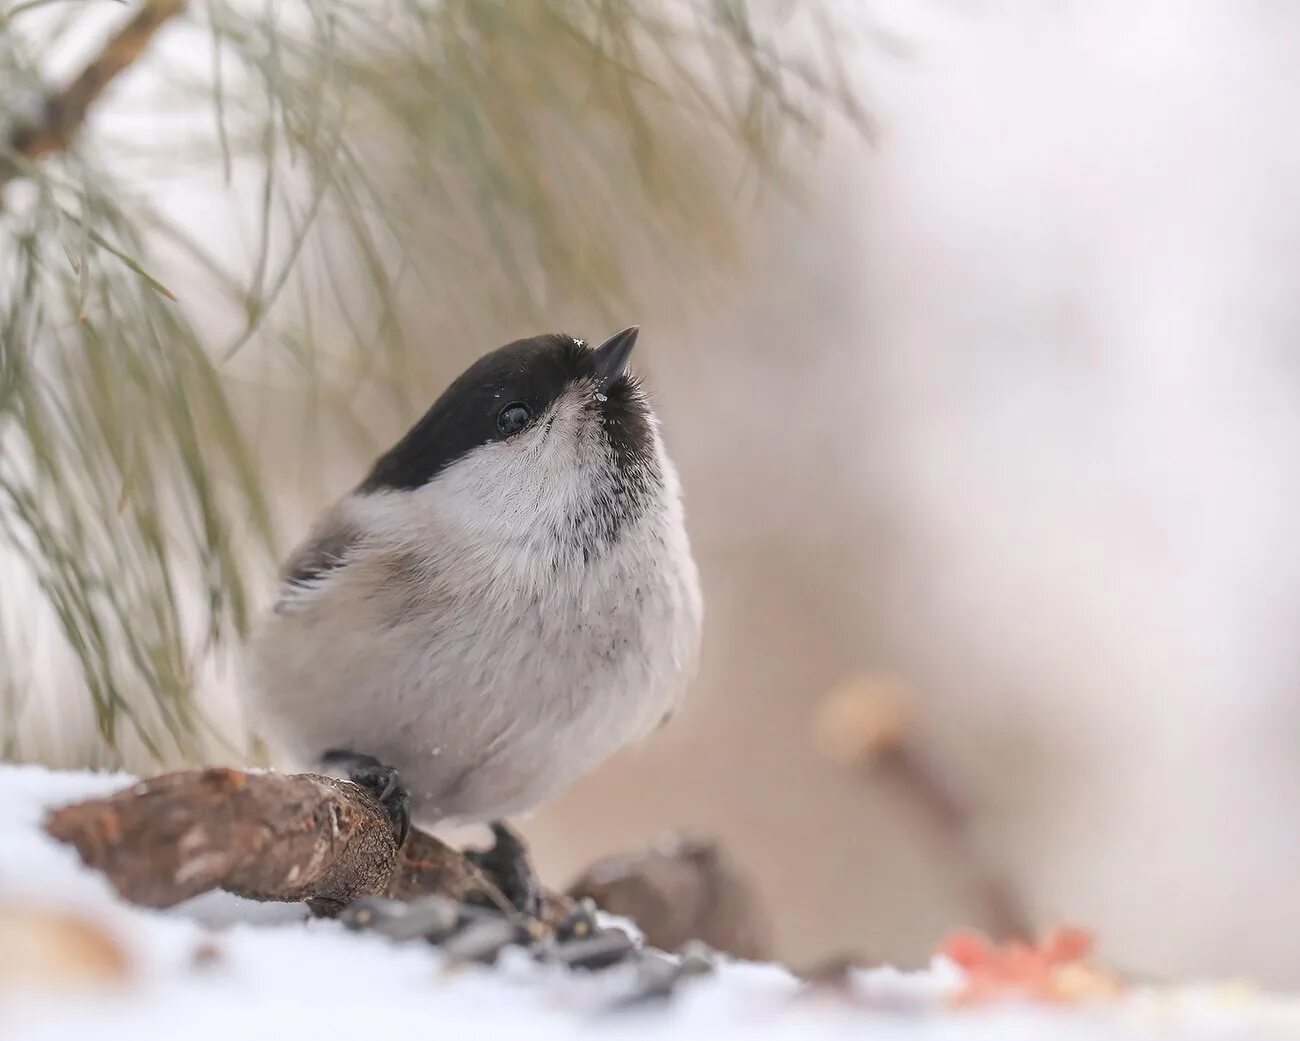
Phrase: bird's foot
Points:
(507, 866)
(381, 780)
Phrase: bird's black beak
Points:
(612, 355)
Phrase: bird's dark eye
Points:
(513, 418)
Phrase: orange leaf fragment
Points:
(1056, 969)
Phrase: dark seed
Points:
(481, 941)
(697, 959)
(598, 951)
(430, 917)
(370, 911)
(579, 922)
(657, 977)
(656, 973)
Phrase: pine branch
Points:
(460, 167)
(63, 112)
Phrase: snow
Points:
(274, 973)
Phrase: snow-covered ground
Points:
(223, 968)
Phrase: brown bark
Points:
(326, 842)
(265, 836)
(428, 865)
(64, 111)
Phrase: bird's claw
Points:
(508, 867)
(380, 780)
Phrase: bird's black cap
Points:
(531, 373)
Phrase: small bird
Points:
(504, 601)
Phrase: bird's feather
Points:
(311, 566)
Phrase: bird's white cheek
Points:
(510, 490)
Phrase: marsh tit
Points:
(504, 601)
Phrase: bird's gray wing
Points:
(312, 565)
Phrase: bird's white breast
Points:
(490, 672)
